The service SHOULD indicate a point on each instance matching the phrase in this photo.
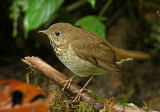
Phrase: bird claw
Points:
(67, 83)
(81, 90)
(79, 94)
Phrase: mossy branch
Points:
(53, 74)
(59, 77)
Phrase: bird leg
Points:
(68, 82)
(81, 90)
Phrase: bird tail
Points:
(126, 55)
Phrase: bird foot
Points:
(81, 90)
(79, 94)
(67, 83)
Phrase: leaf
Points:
(92, 2)
(92, 24)
(39, 12)
(16, 8)
(11, 86)
(128, 104)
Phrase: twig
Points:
(58, 77)
(53, 74)
(105, 7)
(76, 5)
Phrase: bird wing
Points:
(95, 51)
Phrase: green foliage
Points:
(87, 24)
(15, 12)
(156, 30)
(155, 35)
(92, 2)
(128, 104)
(106, 6)
(39, 12)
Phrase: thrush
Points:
(86, 54)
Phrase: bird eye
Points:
(57, 33)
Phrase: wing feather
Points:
(97, 52)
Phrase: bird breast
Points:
(77, 65)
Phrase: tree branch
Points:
(59, 77)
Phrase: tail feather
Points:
(125, 54)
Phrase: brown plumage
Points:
(84, 52)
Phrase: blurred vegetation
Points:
(44, 12)
(38, 12)
(127, 24)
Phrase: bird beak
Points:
(43, 31)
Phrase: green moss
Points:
(109, 104)
(61, 103)
(103, 110)
(145, 106)
(86, 106)
(58, 104)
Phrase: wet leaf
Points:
(39, 12)
(92, 24)
(14, 89)
(92, 2)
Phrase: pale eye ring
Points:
(57, 33)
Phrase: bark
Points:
(59, 77)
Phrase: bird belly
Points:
(79, 66)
